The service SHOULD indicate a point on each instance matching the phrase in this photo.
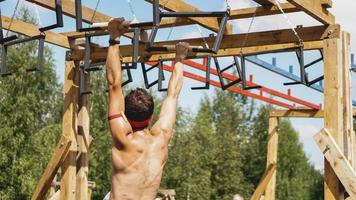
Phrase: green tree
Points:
(29, 109)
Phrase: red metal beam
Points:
(250, 83)
(232, 89)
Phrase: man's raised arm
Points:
(167, 115)
(118, 124)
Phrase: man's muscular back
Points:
(138, 155)
(137, 172)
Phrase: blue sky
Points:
(189, 99)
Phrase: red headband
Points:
(140, 124)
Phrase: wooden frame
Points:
(337, 113)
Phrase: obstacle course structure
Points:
(337, 139)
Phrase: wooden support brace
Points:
(272, 151)
(266, 178)
(265, 2)
(316, 9)
(337, 160)
(31, 30)
(181, 6)
(299, 113)
(53, 165)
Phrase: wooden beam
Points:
(266, 178)
(70, 129)
(31, 30)
(180, 6)
(265, 2)
(68, 8)
(262, 11)
(339, 162)
(272, 151)
(333, 109)
(231, 44)
(297, 113)
(83, 144)
(347, 99)
(53, 165)
(315, 9)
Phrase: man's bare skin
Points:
(139, 156)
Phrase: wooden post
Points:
(83, 144)
(333, 110)
(272, 150)
(347, 104)
(69, 129)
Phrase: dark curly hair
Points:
(139, 105)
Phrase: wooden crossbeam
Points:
(258, 42)
(316, 9)
(337, 160)
(57, 159)
(265, 2)
(31, 30)
(266, 177)
(180, 6)
(262, 11)
(297, 113)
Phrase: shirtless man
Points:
(138, 154)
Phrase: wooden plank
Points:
(297, 113)
(265, 2)
(339, 162)
(180, 6)
(232, 44)
(69, 129)
(347, 101)
(266, 178)
(83, 144)
(333, 109)
(31, 30)
(315, 9)
(272, 150)
(53, 165)
(68, 8)
(262, 11)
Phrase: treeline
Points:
(215, 153)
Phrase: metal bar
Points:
(243, 77)
(135, 47)
(221, 79)
(78, 14)
(161, 77)
(156, 13)
(300, 55)
(148, 85)
(353, 64)
(316, 80)
(207, 76)
(192, 14)
(221, 32)
(59, 17)
(313, 62)
(23, 40)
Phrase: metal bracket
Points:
(243, 75)
(59, 17)
(353, 64)
(221, 71)
(207, 75)
(145, 71)
(303, 74)
(40, 57)
(158, 15)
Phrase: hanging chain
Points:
(248, 31)
(134, 20)
(12, 17)
(94, 13)
(228, 7)
(291, 25)
(201, 33)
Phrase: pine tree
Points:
(29, 116)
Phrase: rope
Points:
(291, 25)
(201, 33)
(12, 17)
(132, 12)
(248, 31)
(228, 7)
(94, 13)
